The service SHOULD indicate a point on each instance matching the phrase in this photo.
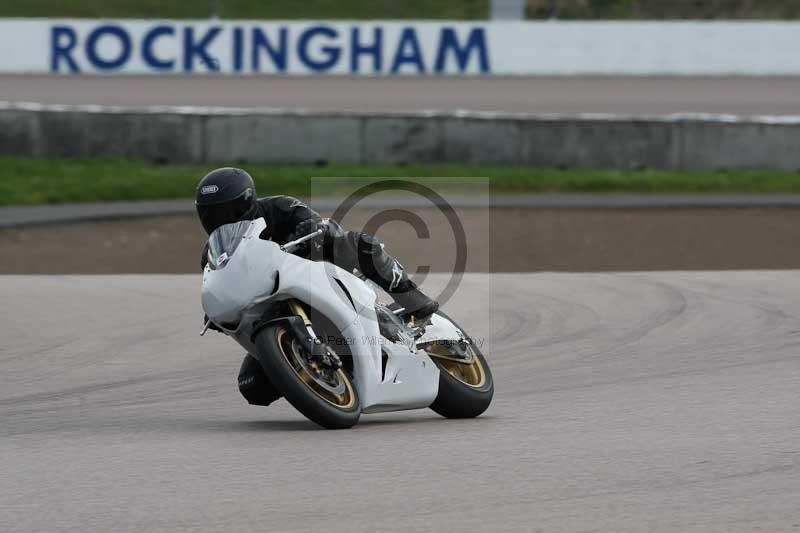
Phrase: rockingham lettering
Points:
(262, 48)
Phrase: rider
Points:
(228, 195)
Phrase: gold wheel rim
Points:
(470, 372)
(346, 400)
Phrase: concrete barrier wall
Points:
(214, 135)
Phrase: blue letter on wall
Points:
(147, 48)
(375, 49)
(408, 38)
(62, 50)
(238, 47)
(449, 41)
(277, 54)
(190, 48)
(95, 36)
(333, 52)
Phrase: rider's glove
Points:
(302, 229)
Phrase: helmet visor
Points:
(216, 215)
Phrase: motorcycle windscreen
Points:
(223, 243)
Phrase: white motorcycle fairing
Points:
(259, 273)
(440, 329)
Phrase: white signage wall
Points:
(378, 48)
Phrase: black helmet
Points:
(224, 196)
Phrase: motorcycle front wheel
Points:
(325, 396)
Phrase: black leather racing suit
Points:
(347, 249)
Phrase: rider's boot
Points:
(415, 302)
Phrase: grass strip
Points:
(31, 181)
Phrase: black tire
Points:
(457, 399)
(298, 393)
(254, 385)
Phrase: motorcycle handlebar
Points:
(291, 245)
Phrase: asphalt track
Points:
(51, 214)
(625, 402)
(648, 96)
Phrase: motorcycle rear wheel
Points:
(326, 397)
(465, 388)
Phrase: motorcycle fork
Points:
(296, 308)
(320, 352)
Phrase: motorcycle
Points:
(318, 336)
